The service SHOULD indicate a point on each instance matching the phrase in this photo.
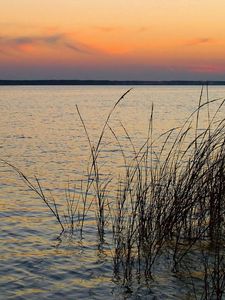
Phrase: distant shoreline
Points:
(109, 82)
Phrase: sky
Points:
(115, 40)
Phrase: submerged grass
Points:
(169, 201)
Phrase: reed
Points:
(175, 201)
(170, 201)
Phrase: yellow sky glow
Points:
(183, 35)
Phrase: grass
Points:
(168, 202)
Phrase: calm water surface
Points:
(42, 135)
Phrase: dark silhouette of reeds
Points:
(170, 201)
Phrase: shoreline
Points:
(109, 82)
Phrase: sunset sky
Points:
(96, 39)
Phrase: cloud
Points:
(107, 28)
(19, 43)
(200, 41)
(209, 68)
(143, 29)
(3, 52)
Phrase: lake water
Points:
(42, 135)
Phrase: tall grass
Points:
(170, 201)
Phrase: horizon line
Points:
(107, 82)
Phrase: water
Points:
(42, 135)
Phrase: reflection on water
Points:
(41, 134)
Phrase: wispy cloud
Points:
(209, 68)
(18, 43)
(142, 29)
(107, 28)
(199, 41)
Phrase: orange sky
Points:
(96, 39)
